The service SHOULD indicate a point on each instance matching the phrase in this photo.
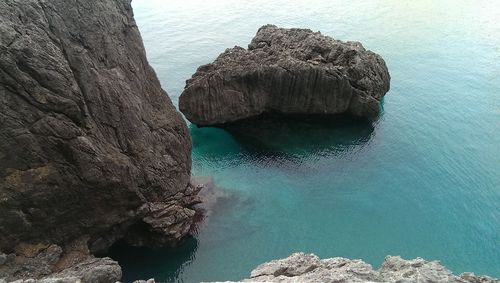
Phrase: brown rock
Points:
(89, 142)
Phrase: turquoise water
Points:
(423, 181)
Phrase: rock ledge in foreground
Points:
(288, 71)
(301, 267)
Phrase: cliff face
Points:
(288, 71)
(90, 145)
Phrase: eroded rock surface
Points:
(301, 267)
(90, 145)
(49, 263)
(288, 71)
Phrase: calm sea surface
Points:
(422, 181)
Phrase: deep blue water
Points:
(423, 181)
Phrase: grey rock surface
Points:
(89, 142)
(49, 263)
(92, 270)
(301, 267)
(287, 71)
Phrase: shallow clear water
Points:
(422, 181)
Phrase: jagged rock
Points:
(94, 270)
(301, 267)
(89, 142)
(48, 263)
(33, 261)
(288, 71)
(167, 220)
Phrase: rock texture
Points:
(48, 263)
(288, 71)
(90, 145)
(300, 267)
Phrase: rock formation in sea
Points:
(286, 71)
(301, 267)
(91, 147)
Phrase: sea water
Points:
(424, 180)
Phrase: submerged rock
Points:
(90, 145)
(301, 267)
(289, 71)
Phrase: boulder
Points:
(287, 71)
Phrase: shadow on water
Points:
(281, 136)
(269, 137)
(168, 264)
(163, 264)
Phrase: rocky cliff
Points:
(91, 147)
(300, 267)
(288, 71)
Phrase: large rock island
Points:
(91, 148)
(286, 71)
